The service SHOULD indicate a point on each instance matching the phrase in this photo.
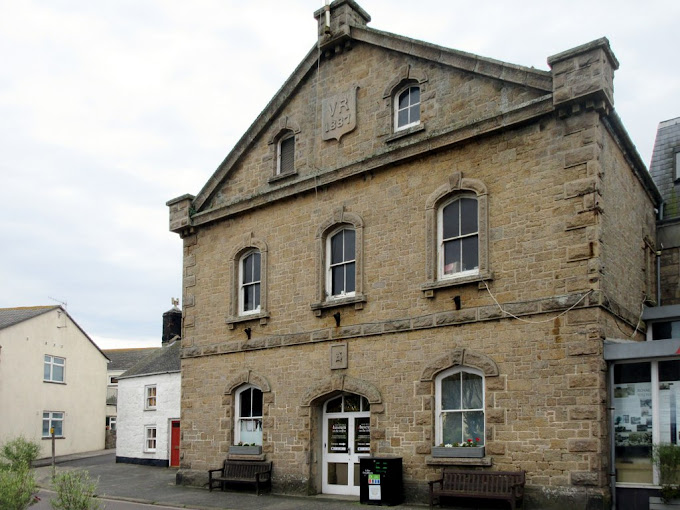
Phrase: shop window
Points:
(248, 426)
(459, 401)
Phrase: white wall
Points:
(132, 417)
(24, 395)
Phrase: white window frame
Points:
(441, 240)
(147, 397)
(237, 412)
(52, 418)
(329, 266)
(242, 286)
(287, 136)
(407, 88)
(150, 441)
(438, 400)
(52, 362)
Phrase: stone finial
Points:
(180, 213)
(334, 22)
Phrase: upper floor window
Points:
(248, 426)
(285, 154)
(53, 420)
(407, 108)
(458, 234)
(150, 397)
(53, 368)
(249, 291)
(459, 401)
(341, 279)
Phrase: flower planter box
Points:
(470, 452)
(245, 450)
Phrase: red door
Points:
(174, 444)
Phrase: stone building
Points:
(414, 246)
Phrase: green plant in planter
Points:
(666, 457)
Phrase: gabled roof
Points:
(124, 359)
(12, 316)
(161, 361)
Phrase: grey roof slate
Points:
(12, 316)
(124, 359)
(662, 167)
(161, 361)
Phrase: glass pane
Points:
(256, 296)
(402, 120)
(357, 475)
(452, 262)
(473, 426)
(414, 112)
(58, 373)
(365, 404)
(257, 402)
(46, 372)
(334, 406)
(473, 390)
(451, 392)
(45, 427)
(362, 435)
(669, 402)
(248, 269)
(662, 330)
(415, 95)
(470, 253)
(468, 215)
(338, 435)
(404, 99)
(633, 422)
(352, 403)
(337, 473)
(246, 399)
(336, 247)
(251, 432)
(452, 428)
(450, 219)
(256, 266)
(338, 277)
(349, 277)
(249, 298)
(349, 244)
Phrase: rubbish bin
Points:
(381, 481)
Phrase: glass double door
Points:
(346, 437)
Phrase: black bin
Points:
(381, 481)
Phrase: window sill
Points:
(357, 300)
(150, 409)
(281, 177)
(231, 321)
(429, 288)
(405, 132)
(48, 438)
(55, 382)
(457, 461)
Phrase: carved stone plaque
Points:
(338, 356)
(339, 115)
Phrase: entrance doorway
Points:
(174, 443)
(346, 438)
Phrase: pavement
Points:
(131, 483)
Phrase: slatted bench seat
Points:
(505, 485)
(241, 471)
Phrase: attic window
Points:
(285, 163)
(407, 108)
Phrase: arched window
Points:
(341, 263)
(459, 401)
(458, 237)
(407, 107)
(248, 426)
(285, 153)
(249, 286)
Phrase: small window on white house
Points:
(407, 108)
(150, 397)
(341, 263)
(150, 438)
(250, 280)
(459, 401)
(248, 415)
(458, 234)
(52, 419)
(285, 154)
(53, 369)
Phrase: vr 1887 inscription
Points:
(339, 115)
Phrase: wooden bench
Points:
(241, 471)
(507, 485)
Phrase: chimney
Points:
(172, 323)
(334, 23)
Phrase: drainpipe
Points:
(612, 434)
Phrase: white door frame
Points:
(341, 449)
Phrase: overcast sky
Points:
(110, 108)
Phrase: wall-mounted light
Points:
(336, 316)
(248, 332)
(456, 301)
